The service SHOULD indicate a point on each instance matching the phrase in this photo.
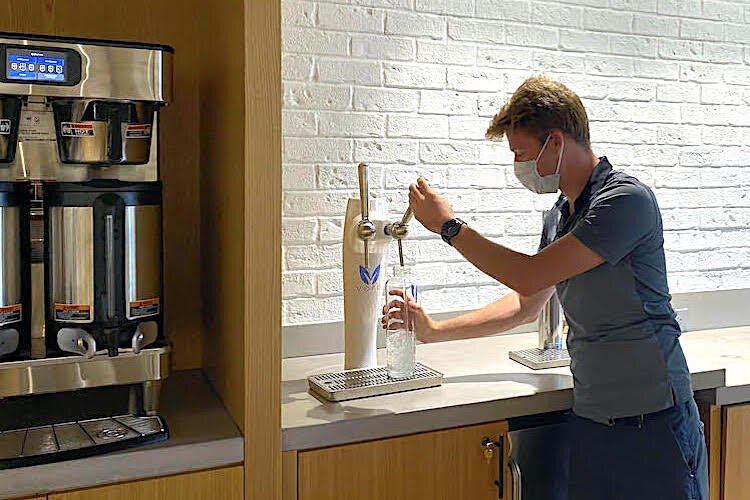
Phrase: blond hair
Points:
(538, 106)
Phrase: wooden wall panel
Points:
(170, 22)
(263, 250)
(222, 177)
(736, 484)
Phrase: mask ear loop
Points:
(536, 162)
(559, 158)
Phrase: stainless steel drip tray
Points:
(540, 359)
(367, 382)
(73, 440)
(69, 373)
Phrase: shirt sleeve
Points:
(617, 221)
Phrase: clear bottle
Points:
(400, 338)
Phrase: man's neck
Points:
(578, 171)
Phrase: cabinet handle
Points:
(488, 446)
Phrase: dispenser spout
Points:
(399, 231)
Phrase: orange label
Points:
(143, 303)
(72, 307)
(9, 309)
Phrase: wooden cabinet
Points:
(736, 452)
(447, 464)
(223, 483)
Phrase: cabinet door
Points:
(218, 483)
(449, 465)
(737, 452)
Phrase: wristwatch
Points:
(450, 230)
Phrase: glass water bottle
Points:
(400, 338)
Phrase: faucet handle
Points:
(407, 215)
(365, 227)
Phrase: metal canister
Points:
(14, 268)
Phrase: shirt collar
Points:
(594, 184)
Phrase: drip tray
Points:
(366, 382)
(538, 359)
(73, 440)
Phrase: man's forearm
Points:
(509, 312)
(512, 269)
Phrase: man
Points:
(635, 426)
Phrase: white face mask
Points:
(528, 175)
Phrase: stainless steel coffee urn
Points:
(81, 301)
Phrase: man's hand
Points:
(431, 209)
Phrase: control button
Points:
(22, 66)
(31, 66)
(58, 69)
(14, 66)
(42, 68)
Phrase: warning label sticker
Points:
(72, 312)
(138, 131)
(4, 126)
(72, 129)
(143, 308)
(10, 314)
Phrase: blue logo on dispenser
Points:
(367, 278)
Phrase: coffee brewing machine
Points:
(81, 267)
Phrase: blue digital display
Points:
(35, 65)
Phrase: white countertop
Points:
(480, 384)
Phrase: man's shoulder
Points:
(619, 184)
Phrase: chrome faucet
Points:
(366, 230)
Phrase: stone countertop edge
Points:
(308, 422)
(202, 436)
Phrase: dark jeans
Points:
(659, 456)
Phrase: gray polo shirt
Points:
(623, 335)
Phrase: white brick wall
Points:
(409, 86)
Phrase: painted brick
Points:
(507, 57)
(331, 230)
(298, 123)
(634, 5)
(298, 176)
(294, 67)
(471, 128)
(443, 53)
(609, 66)
(610, 21)
(351, 125)
(583, 41)
(658, 70)
(646, 24)
(687, 50)
(507, 10)
(685, 8)
(350, 18)
(557, 15)
(737, 76)
(297, 284)
(721, 94)
(489, 104)
(701, 73)
(476, 79)
(317, 150)
(366, 99)
(388, 48)
(314, 96)
(329, 283)
(632, 91)
(559, 62)
(447, 102)
(298, 13)
(722, 53)
(419, 76)
(346, 71)
(448, 152)
(305, 204)
(312, 41)
(693, 29)
(678, 92)
(462, 8)
(474, 30)
(532, 36)
(417, 126)
(414, 24)
(678, 135)
(400, 177)
(386, 152)
(737, 33)
(476, 177)
(631, 45)
(314, 310)
(299, 230)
